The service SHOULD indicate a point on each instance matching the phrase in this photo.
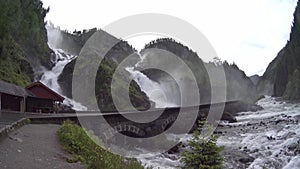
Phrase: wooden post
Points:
(22, 105)
(0, 103)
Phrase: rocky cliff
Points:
(282, 75)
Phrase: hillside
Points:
(23, 41)
(239, 86)
(282, 75)
(74, 43)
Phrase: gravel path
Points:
(34, 147)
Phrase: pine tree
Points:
(203, 153)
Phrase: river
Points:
(269, 138)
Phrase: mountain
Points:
(23, 41)
(239, 86)
(282, 75)
(74, 43)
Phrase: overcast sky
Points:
(247, 32)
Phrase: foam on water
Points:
(50, 77)
(273, 144)
(271, 136)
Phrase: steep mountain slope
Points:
(281, 76)
(239, 86)
(23, 41)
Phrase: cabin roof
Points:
(12, 89)
(55, 96)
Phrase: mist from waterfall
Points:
(60, 58)
(153, 90)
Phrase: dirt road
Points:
(34, 147)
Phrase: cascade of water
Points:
(60, 59)
(50, 77)
(160, 94)
(154, 90)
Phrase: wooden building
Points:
(35, 98)
(44, 100)
(13, 97)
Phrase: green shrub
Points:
(203, 153)
(77, 142)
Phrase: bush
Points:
(203, 153)
(77, 142)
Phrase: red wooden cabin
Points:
(35, 98)
(44, 100)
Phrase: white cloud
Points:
(249, 32)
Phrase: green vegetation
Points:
(77, 142)
(23, 40)
(203, 153)
(103, 89)
(14, 68)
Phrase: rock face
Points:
(255, 79)
(23, 41)
(281, 76)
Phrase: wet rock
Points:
(240, 158)
(278, 121)
(218, 132)
(229, 117)
(175, 149)
(246, 159)
(240, 106)
(270, 138)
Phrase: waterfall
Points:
(60, 59)
(153, 90)
(162, 94)
(50, 77)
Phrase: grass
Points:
(77, 142)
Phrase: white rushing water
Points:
(50, 77)
(154, 90)
(60, 59)
(161, 94)
(271, 136)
